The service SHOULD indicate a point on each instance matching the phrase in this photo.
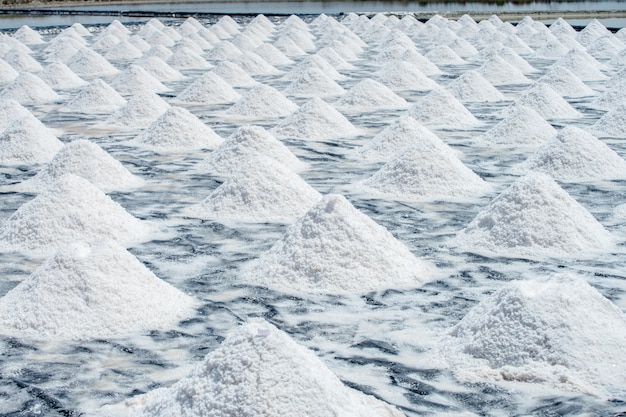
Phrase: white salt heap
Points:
(264, 102)
(140, 111)
(605, 47)
(472, 87)
(105, 42)
(260, 371)
(288, 47)
(7, 72)
(334, 248)
(27, 89)
(401, 75)
(208, 89)
(246, 144)
(178, 129)
(499, 72)
(10, 111)
(370, 95)
(575, 155)
(159, 52)
(533, 218)
(71, 210)
(254, 65)
(552, 50)
(313, 61)
(88, 64)
(583, 65)
(25, 140)
(613, 96)
(612, 124)
(60, 77)
(521, 127)
(565, 82)
(22, 61)
(134, 79)
(594, 30)
(272, 55)
(96, 98)
(87, 160)
(547, 102)
(559, 330)
(439, 108)
(184, 58)
(312, 82)
(333, 58)
(263, 190)
(315, 120)
(224, 51)
(160, 69)
(123, 51)
(234, 75)
(28, 36)
(443, 55)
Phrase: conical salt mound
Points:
(253, 64)
(334, 248)
(560, 330)
(58, 76)
(565, 82)
(439, 108)
(27, 141)
(22, 61)
(534, 217)
(521, 127)
(264, 102)
(334, 59)
(234, 75)
(210, 88)
(7, 72)
(272, 55)
(135, 79)
(87, 160)
(499, 72)
(612, 124)
(87, 63)
(583, 65)
(123, 51)
(96, 98)
(575, 155)
(255, 365)
(370, 94)
(10, 111)
(105, 42)
(547, 102)
(315, 120)
(160, 69)
(288, 47)
(594, 30)
(473, 87)
(612, 97)
(402, 133)
(606, 47)
(29, 89)
(246, 144)
(401, 75)
(184, 58)
(443, 55)
(71, 210)
(264, 190)
(140, 111)
(552, 50)
(313, 61)
(178, 129)
(91, 291)
(28, 36)
(223, 51)
(312, 82)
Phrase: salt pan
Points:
(96, 98)
(263, 101)
(439, 108)
(208, 89)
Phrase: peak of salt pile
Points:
(313, 61)
(612, 124)
(160, 69)
(333, 58)
(7, 43)
(312, 82)
(105, 43)
(594, 30)
(262, 21)
(561, 27)
(158, 37)
(534, 217)
(208, 89)
(96, 98)
(402, 75)
(123, 51)
(263, 101)
(315, 120)
(184, 58)
(343, 50)
(586, 67)
(255, 365)
(246, 144)
(28, 36)
(263, 190)
(7, 72)
(519, 46)
(605, 47)
(88, 63)
(228, 24)
(253, 64)
(565, 82)
(26, 140)
(87, 160)
(246, 42)
(60, 77)
(370, 94)
(440, 108)
(521, 127)
(22, 61)
(575, 155)
(571, 335)
(443, 55)
(160, 52)
(547, 102)
(178, 129)
(499, 72)
(462, 48)
(62, 53)
(134, 79)
(272, 55)
(223, 51)
(234, 75)
(190, 25)
(10, 111)
(28, 89)
(288, 47)
(140, 111)
(334, 248)
(473, 87)
(71, 210)
(302, 38)
(189, 44)
(91, 291)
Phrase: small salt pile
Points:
(473, 87)
(123, 51)
(105, 43)
(533, 218)
(256, 365)
(342, 50)
(402, 75)
(561, 28)
(499, 72)
(605, 47)
(185, 59)
(208, 89)
(22, 61)
(558, 331)
(158, 37)
(134, 79)
(89, 64)
(586, 67)
(272, 55)
(140, 111)
(189, 44)
(547, 102)
(198, 40)
(264, 102)
(302, 38)
(60, 77)
(117, 27)
(246, 42)
(159, 52)
(7, 72)
(462, 48)
(91, 291)
(140, 44)
(370, 95)
(263, 190)
(7, 43)
(439, 108)
(333, 58)
(315, 120)
(565, 82)
(594, 30)
(160, 69)
(26, 140)
(518, 45)
(96, 98)
(612, 97)
(510, 56)
(178, 129)
(10, 111)
(521, 127)
(246, 144)
(288, 47)
(575, 155)
(28, 36)
(63, 53)
(234, 75)
(71, 210)
(612, 124)
(313, 61)
(253, 64)
(443, 55)
(223, 51)
(334, 248)
(312, 82)
(28, 89)
(87, 160)
(190, 25)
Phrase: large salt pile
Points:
(178, 129)
(334, 248)
(313, 61)
(7, 72)
(547, 102)
(22, 61)
(140, 111)
(87, 63)
(60, 77)
(565, 82)
(184, 58)
(264, 190)
(28, 36)
(586, 67)
(594, 30)
(402, 75)
(552, 50)
(159, 52)
(71, 210)
(370, 95)
(315, 120)
(209, 88)
(254, 65)
(105, 42)
(87, 160)
(160, 69)
(134, 79)
(334, 59)
(272, 55)
(473, 87)
(224, 51)
(534, 217)
(91, 291)
(558, 331)
(246, 144)
(10, 111)
(443, 55)
(96, 98)
(26, 140)
(288, 47)
(521, 127)
(612, 97)
(439, 108)
(605, 47)
(234, 75)
(123, 51)
(263, 101)
(313, 82)
(499, 72)
(575, 155)
(612, 124)
(27, 89)
(260, 371)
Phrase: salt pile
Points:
(401, 75)
(140, 111)
(559, 330)
(547, 102)
(499, 72)
(313, 61)
(594, 30)
(177, 129)
(253, 367)
(272, 55)
(253, 64)
(473, 87)
(315, 120)
(91, 292)
(565, 82)
(534, 217)
(522, 126)
(370, 94)
(185, 59)
(72, 210)
(7, 72)
(263, 190)
(263, 101)
(583, 65)
(552, 50)
(246, 42)
(140, 44)
(462, 48)
(288, 47)
(123, 51)
(105, 42)
(333, 58)
(157, 37)
(26, 140)
(234, 75)
(96, 98)
(605, 47)
(246, 144)
(28, 36)
(312, 82)
(160, 69)
(334, 248)
(208, 89)
(27, 89)
(439, 108)
(87, 160)
(10, 111)
(22, 61)
(443, 55)
(612, 97)
(87, 63)
(223, 51)
(612, 124)
(159, 52)
(134, 79)
(60, 77)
